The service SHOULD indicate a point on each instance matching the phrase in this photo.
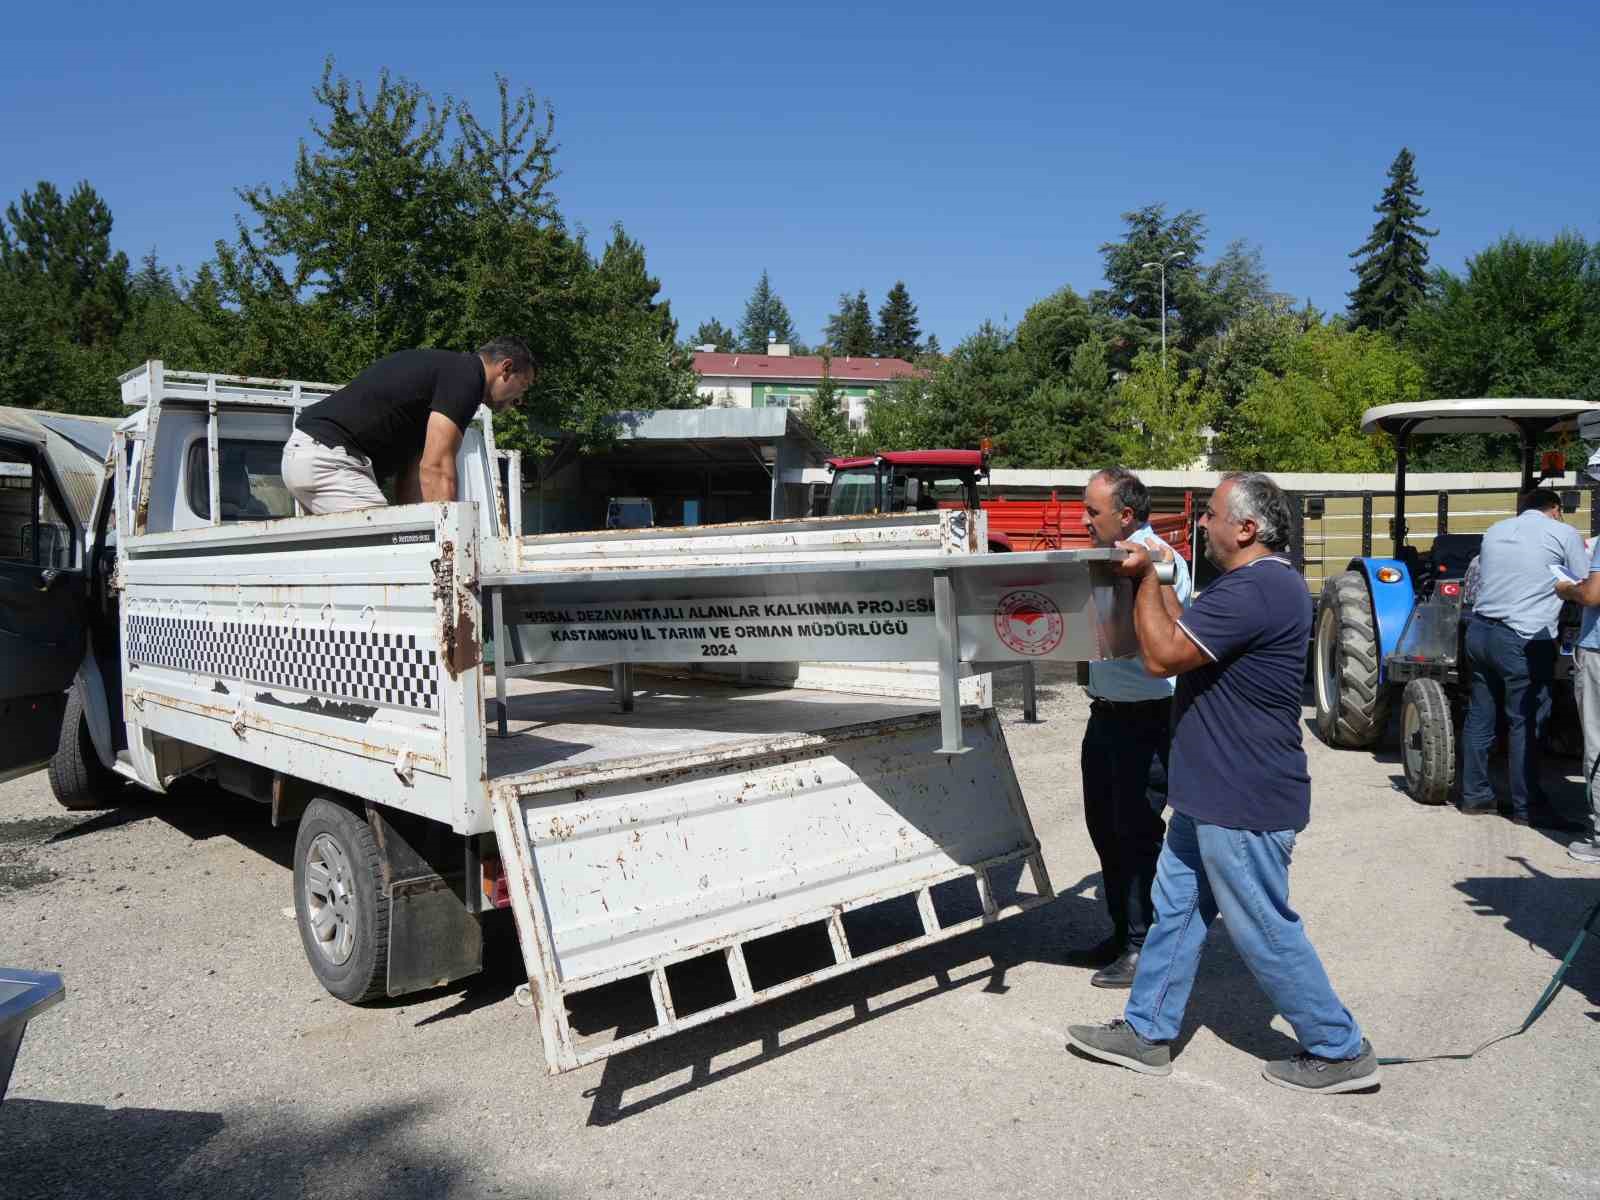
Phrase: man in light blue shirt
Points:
(1586, 683)
(1511, 644)
(1125, 747)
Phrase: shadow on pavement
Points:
(56, 1149)
(771, 1030)
(1545, 911)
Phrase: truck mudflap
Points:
(624, 872)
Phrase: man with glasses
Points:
(1239, 792)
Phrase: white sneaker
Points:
(1586, 851)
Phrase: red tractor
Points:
(911, 480)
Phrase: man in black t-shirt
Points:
(1239, 793)
(404, 415)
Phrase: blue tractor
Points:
(1392, 628)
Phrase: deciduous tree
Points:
(1160, 415)
(1308, 418)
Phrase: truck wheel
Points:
(1352, 706)
(79, 780)
(339, 902)
(1427, 741)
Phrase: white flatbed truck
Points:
(333, 668)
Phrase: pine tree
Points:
(849, 331)
(898, 331)
(1392, 275)
(60, 252)
(622, 268)
(824, 413)
(713, 332)
(765, 319)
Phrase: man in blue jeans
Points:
(1511, 644)
(1239, 792)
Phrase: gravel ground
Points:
(195, 1054)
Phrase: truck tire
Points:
(1352, 706)
(339, 903)
(1427, 741)
(78, 779)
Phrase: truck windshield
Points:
(852, 492)
(630, 514)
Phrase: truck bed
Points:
(569, 726)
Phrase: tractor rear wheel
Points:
(1427, 741)
(1352, 706)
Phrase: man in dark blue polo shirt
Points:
(1239, 792)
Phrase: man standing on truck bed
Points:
(405, 413)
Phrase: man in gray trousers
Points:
(1586, 682)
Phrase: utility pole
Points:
(1162, 263)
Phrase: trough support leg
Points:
(1030, 693)
(944, 613)
(502, 647)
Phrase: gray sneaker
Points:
(1116, 1042)
(1586, 851)
(1308, 1073)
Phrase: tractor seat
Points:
(1451, 554)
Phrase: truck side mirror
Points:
(1569, 500)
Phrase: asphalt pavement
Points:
(196, 1055)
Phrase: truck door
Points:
(42, 605)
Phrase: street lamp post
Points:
(1162, 263)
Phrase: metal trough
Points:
(23, 996)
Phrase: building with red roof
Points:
(778, 379)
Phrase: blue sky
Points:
(982, 154)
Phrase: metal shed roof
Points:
(75, 445)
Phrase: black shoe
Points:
(1551, 820)
(1098, 955)
(1477, 810)
(1120, 973)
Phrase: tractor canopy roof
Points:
(968, 459)
(1481, 416)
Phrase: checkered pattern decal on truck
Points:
(347, 664)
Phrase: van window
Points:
(33, 529)
(250, 476)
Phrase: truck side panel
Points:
(340, 650)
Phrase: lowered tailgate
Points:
(627, 869)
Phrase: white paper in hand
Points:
(1562, 574)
